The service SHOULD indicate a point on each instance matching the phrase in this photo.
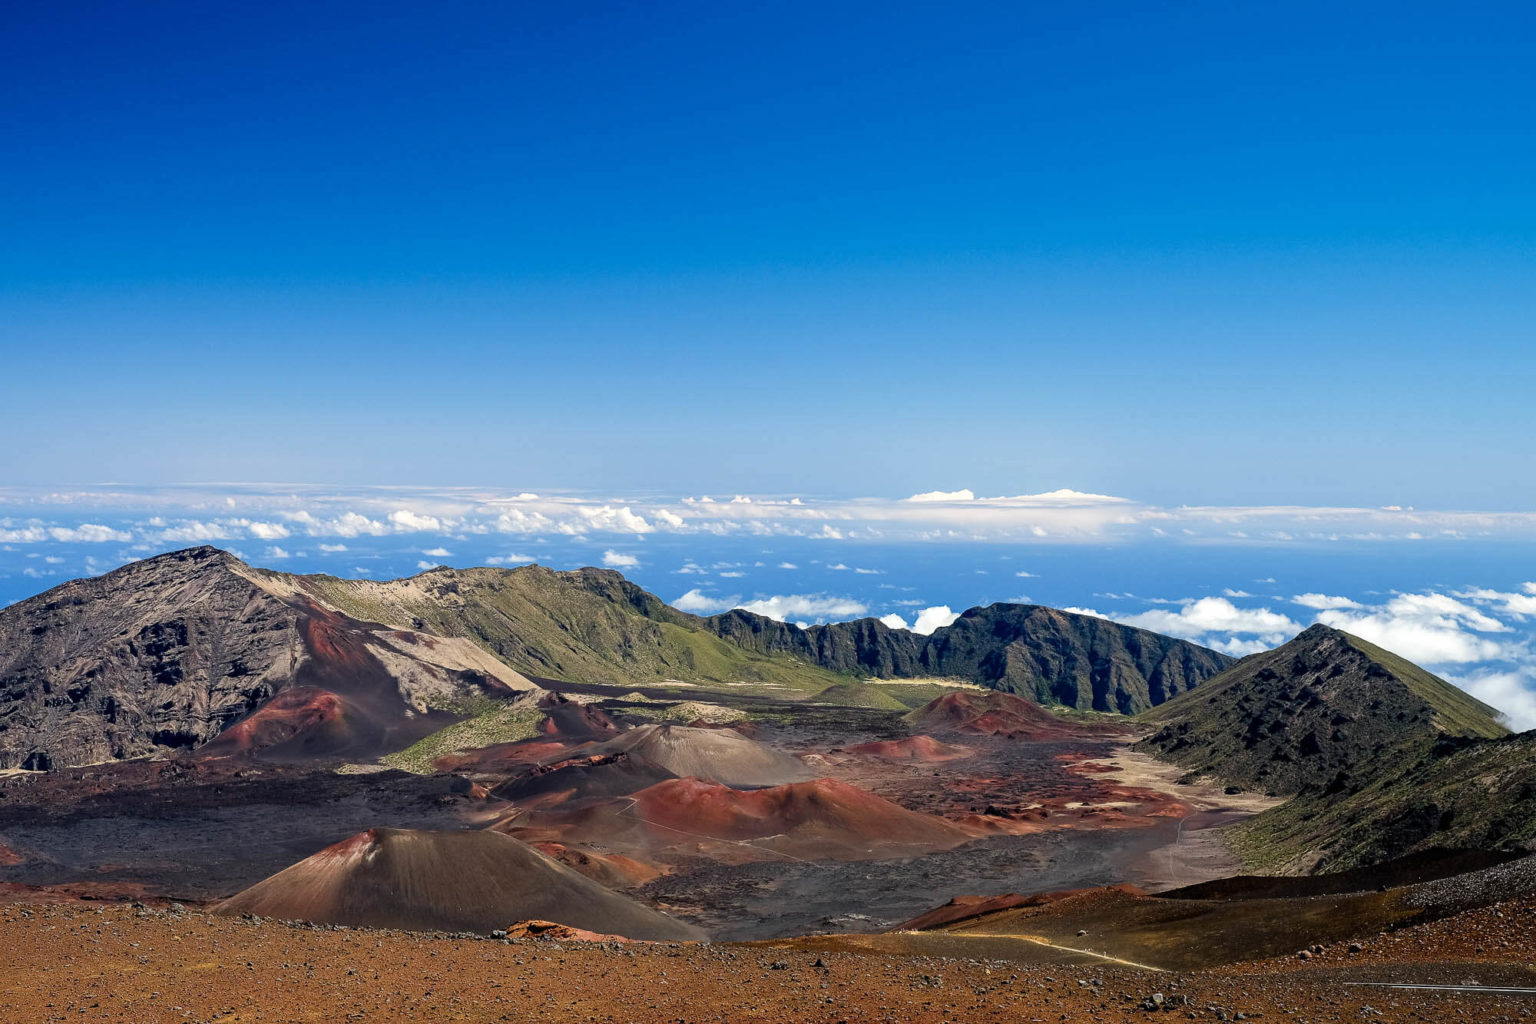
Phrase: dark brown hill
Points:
(1325, 712)
(1046, 655)
(446, 881)
(166, 654)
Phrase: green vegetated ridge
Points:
(1458, 793)
(1312, 714)
(489, 722)
(587, 625)
(593, 626)
(1380, 757)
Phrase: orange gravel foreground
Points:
(79, 963)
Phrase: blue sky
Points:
(1189, 253)
(1218, 318)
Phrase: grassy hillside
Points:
(1326, 712)
(590, 625)
(1473, 793)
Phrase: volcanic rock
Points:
(446, 881)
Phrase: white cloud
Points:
(276, 554)
(438, 553)
(90, 533)
(1238, 647)
(734, 574)
(1214, 615)
(425, 565)
(894, 621)
(1021, 574)
(1517, 605)
(347, 524)
(267, 531)
(814, 607)
(1324, 601)
(406, 521)
(332, 549)
(697, 602)
(788, 565)
(670, 518)
(512, 559)
(1229, 592)
(618, 560)
(192, 531)
(608, 519)
(966, 494)
(936, 617)
(1426, 628)
(1513, 693)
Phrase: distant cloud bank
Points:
(213, 514)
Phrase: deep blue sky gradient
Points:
(1201, 252)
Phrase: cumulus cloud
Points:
(812, 607)
(1513, 693)
(438, 553)
(936, 617)
(1324, 601)
(89, 533)
(788, 565)
(618, 560)
(1209, 615)
(607, 519)
(275, 554)
(1427, 628)
(346, 524)
(267, 531)
(1517, 605)
(1229, 592)
(406, 521)
(332, 549)
(699, 603)
(669, 518)
(894, 621)
(195, 531)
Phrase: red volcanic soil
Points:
(500, 758)
(343, 702)
(584, 776)
(614, 870)
(1001, 714)
(719, 755)
(8, 857)
(318, 715)
(818, 820)
(569, 720)
(914, 748)
(445, 881)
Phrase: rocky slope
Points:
(1457, 793)
(1325, 713)
(167, 654)
(187, 648)
(1047, 655)
(587, 625)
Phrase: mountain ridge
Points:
(1316, 714)
(170, 653)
